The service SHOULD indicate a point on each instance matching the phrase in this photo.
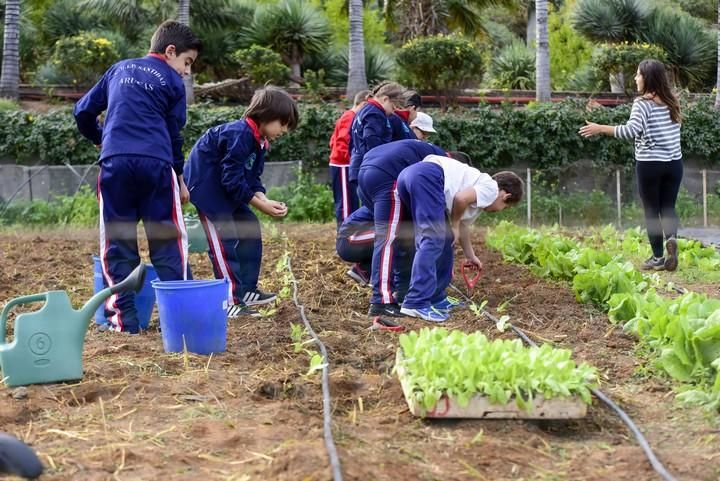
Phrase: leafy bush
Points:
(441, 63)
(622, 60)
(570, 51)
(262, 65)
(513, 68)
(306, 200)
(84, 57)
(78, 210)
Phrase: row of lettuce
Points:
(683, 332)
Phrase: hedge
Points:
(540, 135)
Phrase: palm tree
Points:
(542, 54)
(183, 17)
(414, 18)
(293, 28)
(357, 79)
(717, 83)
(10, 78)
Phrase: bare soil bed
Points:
(252, 414)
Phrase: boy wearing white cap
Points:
(422, 126)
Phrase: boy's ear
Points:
(505, 195)
(170, 51)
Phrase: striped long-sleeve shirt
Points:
(656, 136)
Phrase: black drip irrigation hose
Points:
(656, 464)
(327, 411)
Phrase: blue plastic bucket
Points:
(144, 300)
(193, 314)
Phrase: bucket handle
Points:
(16, 302)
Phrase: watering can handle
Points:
(15, 302)
(133, 282)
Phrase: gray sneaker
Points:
(671, 259)
(654, 264)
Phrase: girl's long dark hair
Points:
(656, 82)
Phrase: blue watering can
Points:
(48, 343)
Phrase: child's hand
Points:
(274, 208)
(184, 192)
(476, 262)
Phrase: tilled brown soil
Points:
(252, 413)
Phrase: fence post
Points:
(529, 198)
(618, 195)
(704, 177)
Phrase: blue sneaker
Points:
(448, 304)
(426, 313)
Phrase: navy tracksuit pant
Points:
(421, 190)
(390, 259)
(130, 189)
(235, 250)
(345, 195)
(356, 237)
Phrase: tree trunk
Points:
(357, 80)
(530, 31)
(542, 54)
(184, 18)
(717, 86)
(10, 78)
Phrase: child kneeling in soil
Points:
(443, 197)
(223, 176)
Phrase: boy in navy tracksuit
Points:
(377, 181)
(401, 120)
(371, 126)
(223, 175)
(443, 197)
(141, 162)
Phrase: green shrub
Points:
(441, 63)
(570, 51)
(624, 58)
(306, 200)
(84, 57)
(262, 65)
(78, 210)
(513, 68)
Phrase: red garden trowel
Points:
(380, 324)
(466, 270)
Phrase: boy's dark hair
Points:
(460, 156)
(361, 97)
(175, 33)
(512, 184)
(413, 100)
(272, 103)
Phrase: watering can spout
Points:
(133, 282)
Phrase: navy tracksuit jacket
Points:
(371, 127)
(140, 157)
(223, 174)
(376, 181)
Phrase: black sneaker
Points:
(671, 259)
(359, 275)
(258, 297)
(654, 264)
(237, 310)
(392, 310)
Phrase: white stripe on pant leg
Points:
(180, 225)
(115, 320)
(345, 192)
(387, 252)
(220, 259)
(361, 237)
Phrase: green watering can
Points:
(196, 235)
(48, 343)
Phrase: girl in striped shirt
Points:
(655, 125)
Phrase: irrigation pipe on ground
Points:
(327, 412)
(656, 464)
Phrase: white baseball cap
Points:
(423, 122)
